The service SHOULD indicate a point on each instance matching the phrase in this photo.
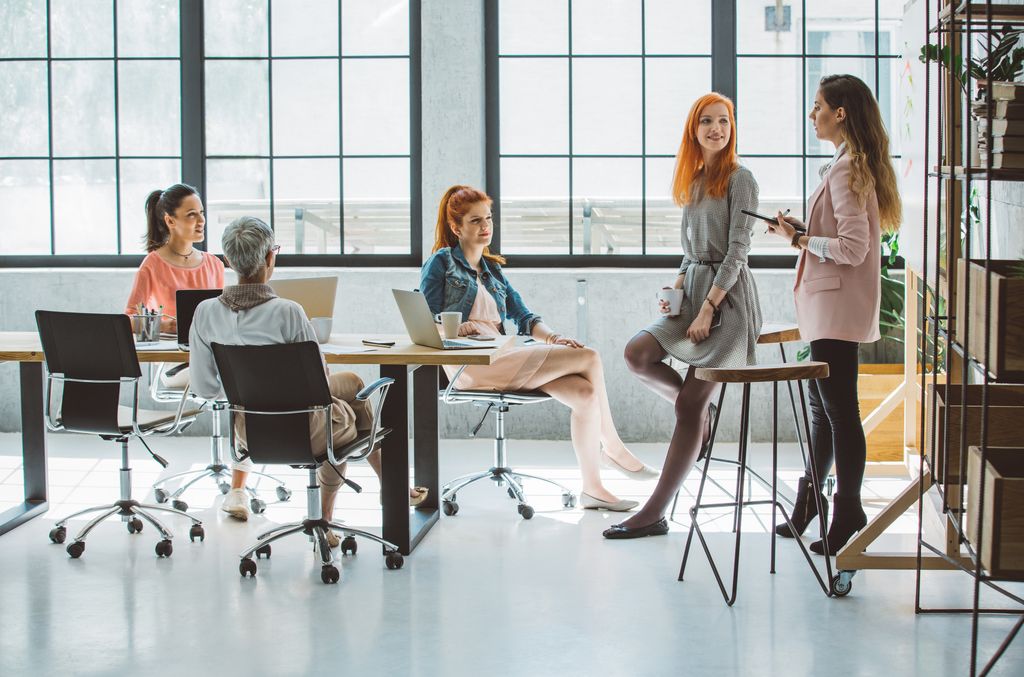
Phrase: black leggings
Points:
(836, 431)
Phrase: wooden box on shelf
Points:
(1006, 315)
(1002, 522)
(1005, 421)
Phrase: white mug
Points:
(450, 321)
(322, 327)
(674, 298)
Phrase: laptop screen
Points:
(187, 300)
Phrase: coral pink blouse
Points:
(157, 281)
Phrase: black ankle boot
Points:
(805, 510)
(847, 519)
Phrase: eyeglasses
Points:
(275, 248)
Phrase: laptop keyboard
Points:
(448, 343)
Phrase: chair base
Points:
(221, 475)
(502, 476)
(130, 511)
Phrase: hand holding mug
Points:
(670, 300)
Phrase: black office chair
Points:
(218, 470)
(277, 387)
(500, 472)
(92, 356)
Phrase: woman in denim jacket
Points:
(452, 280)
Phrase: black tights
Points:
(836, 431)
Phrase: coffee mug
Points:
(322, 328)
(674, 297)
(450, 321)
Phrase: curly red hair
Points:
(690, 169)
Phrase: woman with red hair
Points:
(719, 317)
(463, 275)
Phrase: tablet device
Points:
(772, 220)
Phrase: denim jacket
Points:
(450, 284)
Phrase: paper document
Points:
(335, 349)
(157, 346)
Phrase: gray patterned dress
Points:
(716, 239)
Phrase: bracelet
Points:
(711, 303)
(795, 241)
(552, 338)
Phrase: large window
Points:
(304, 113)
(591, 96)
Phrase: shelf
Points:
(958, 348)
(959, 172)
(1002, 14)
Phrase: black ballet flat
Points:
(659, 528)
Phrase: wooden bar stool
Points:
(747, 375)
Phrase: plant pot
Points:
(1005, 316)
(1001, 526)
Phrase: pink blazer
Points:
(838, 298)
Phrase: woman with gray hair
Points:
(250, 313)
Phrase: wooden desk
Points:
(405, 362)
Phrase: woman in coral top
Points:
(175, 222)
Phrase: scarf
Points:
(245, 296)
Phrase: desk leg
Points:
(426, 433)
(33, 449)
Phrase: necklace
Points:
(186, 256)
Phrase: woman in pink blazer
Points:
(838, 289)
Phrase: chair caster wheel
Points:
(349, 545)
(160, 495)
(247, 567)
(330, 574)
(134, 525)
(263, 551)
(258, 506)
(224, 487)
(450, 508)
(394, 560)
(283, 494)
(76, 549)
(568, 500)
(195, 532)
(179, 505)
(58, 534)
(842, 583)
(164, 548)
(526, 511)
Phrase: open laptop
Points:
(314, 294)
(186, 301)
(419, 322)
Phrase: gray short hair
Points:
(246, 242)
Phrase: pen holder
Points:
(146, 327)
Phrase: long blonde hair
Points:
(867, 144)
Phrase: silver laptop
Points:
(314, 294)
(419, 322)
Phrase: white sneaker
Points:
(236, 504)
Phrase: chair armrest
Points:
(175, 425)
(373, 387)
(446, 398)
(380, 386)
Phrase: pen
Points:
(783, 214)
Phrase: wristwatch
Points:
(795, 241)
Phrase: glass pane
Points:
(533, 27)
(607, 103)
(780, 181)
(525, 126)
(534, 206)
(237, 106)
(306, 206)
(890, 26)
(606, 27)
(306, 107)
(663, 19)
(769, 113)
(375, 106)
(23, 109)
(84, 207)
(813, 178)
(663, 216)
(138, 179)
(25, 206)
(149, 113)
(606, 206)
(846, 27)
(762, 30)
(22, 28)
(83, 108)
(818, 68)
(81, 28)
(672, 87)
(377, 206)
(148, 28)
(305, 27)
(374, 27)
(235, 27)
(890, 103)
(235, 188)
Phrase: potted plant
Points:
(1006, 60)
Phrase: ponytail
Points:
(158, 204)
(454, 205)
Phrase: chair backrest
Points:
(285, 377)
(91, 347)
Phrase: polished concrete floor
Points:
(485, 594)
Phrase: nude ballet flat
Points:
(645, 473)
(588, 502)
